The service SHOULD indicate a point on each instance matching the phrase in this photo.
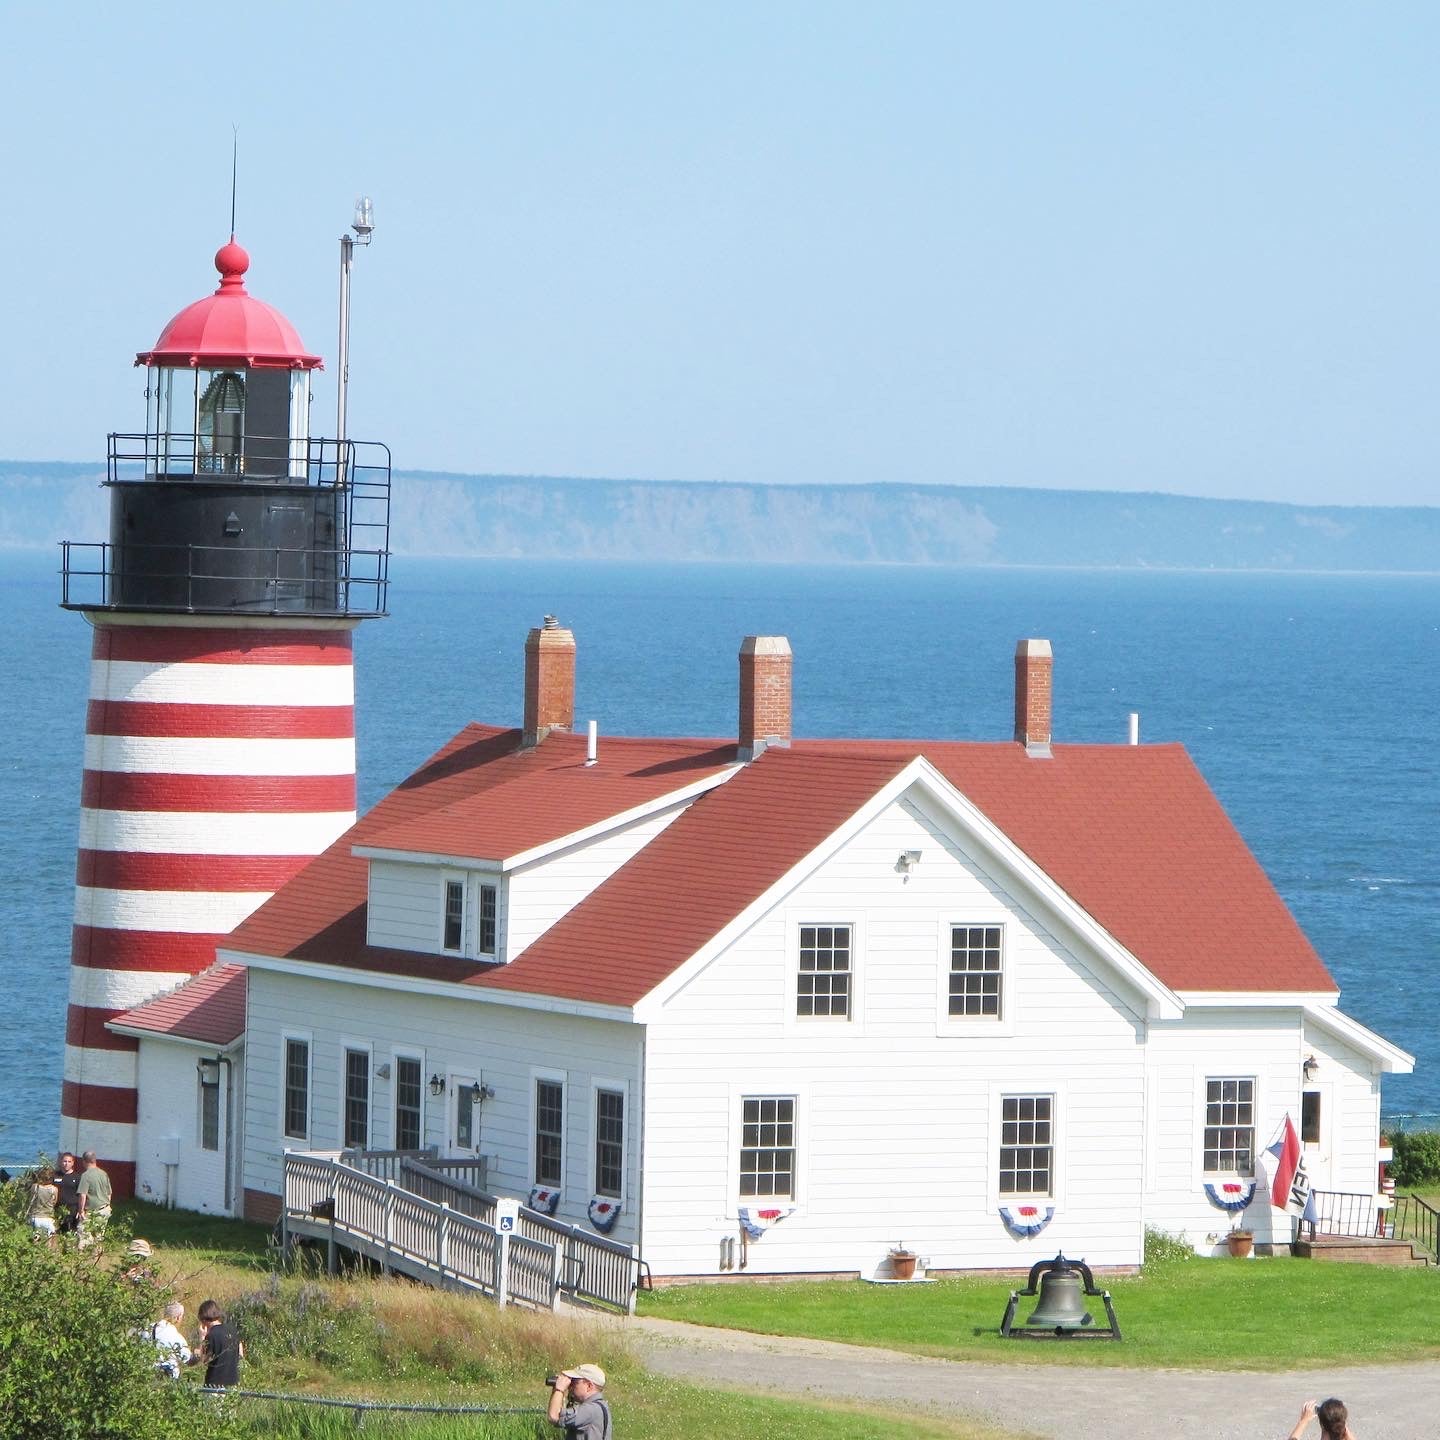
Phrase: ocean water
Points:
(1309, 702)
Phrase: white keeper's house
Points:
(785, 1003)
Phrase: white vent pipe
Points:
(1134, 727)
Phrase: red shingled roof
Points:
(211, 1007)
(1132, 833)
(481, 796)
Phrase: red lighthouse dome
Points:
(231, 327)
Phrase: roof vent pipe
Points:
(1134, 727)
(592, 743)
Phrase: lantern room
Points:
(226, 504)
(228, 386)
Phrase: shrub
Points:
(1417, 1157)
(1164, 1248)
(73, 1361)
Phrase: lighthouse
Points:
(220, 731)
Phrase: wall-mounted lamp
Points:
(382, 1072)
(1309, 1067)
(437, 1084)
(479, 1093)
(209, 1070)
(908, 860)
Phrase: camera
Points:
(550, 1381)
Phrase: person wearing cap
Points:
(137, 1254)
(576, 1403)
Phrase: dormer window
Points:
(454, 915)
(470, 917)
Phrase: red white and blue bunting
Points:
(603, 1212)
(1230, 1195)
(545, 1198)
(756, 1221)
(1026, 1220)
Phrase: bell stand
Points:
(1009, 1330)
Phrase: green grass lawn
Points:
(1265, 1314)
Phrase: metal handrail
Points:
(95, 561)
(1418, 1222)
(1341, 1212)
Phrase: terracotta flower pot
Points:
(1240, 1242)
(902, 1264)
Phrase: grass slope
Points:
(307, 1334)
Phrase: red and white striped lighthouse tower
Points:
(220, 738)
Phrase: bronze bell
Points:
(1062, 1299)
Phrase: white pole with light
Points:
(363, 225)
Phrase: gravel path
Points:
(1387, 1402)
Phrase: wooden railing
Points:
(591, 1268)
(334, 1200)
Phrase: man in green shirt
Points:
(94, 1200)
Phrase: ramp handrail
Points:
(605, 1272)
(446, 1244)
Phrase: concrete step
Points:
(1359, 1250)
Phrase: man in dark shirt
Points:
(220, 1349)
(67, 1182)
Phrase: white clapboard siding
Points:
(1215, 1044)
(406, 905)
(169, 1087)
(897, 1109)
(500, 1043)
(1350, 1114)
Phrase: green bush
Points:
(1164, 1248)
(1417, 1157)
(74, 1363)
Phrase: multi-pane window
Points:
(767, 1146)
(549, 1131)
(487, 919)
(454, 914)
(1027, 1144)
(1230, 1127)
(975, 975)
(297, 1089)
(609, 1142)
(408, 1101)
(822, 986)
(357, 1098)
(210, 1106)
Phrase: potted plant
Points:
(902, 1261)
(1240, 1242)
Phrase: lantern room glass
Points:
(195, 422)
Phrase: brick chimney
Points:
(765, 663)
(1033, 663)
(549, 681)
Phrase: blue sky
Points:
(1150, 246)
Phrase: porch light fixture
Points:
(479, 1093)
(1309, 1068)
(908, 860)
(437, 1084)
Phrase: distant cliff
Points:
(440, 514)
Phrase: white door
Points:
(1315, 1133)
(464, 1137)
